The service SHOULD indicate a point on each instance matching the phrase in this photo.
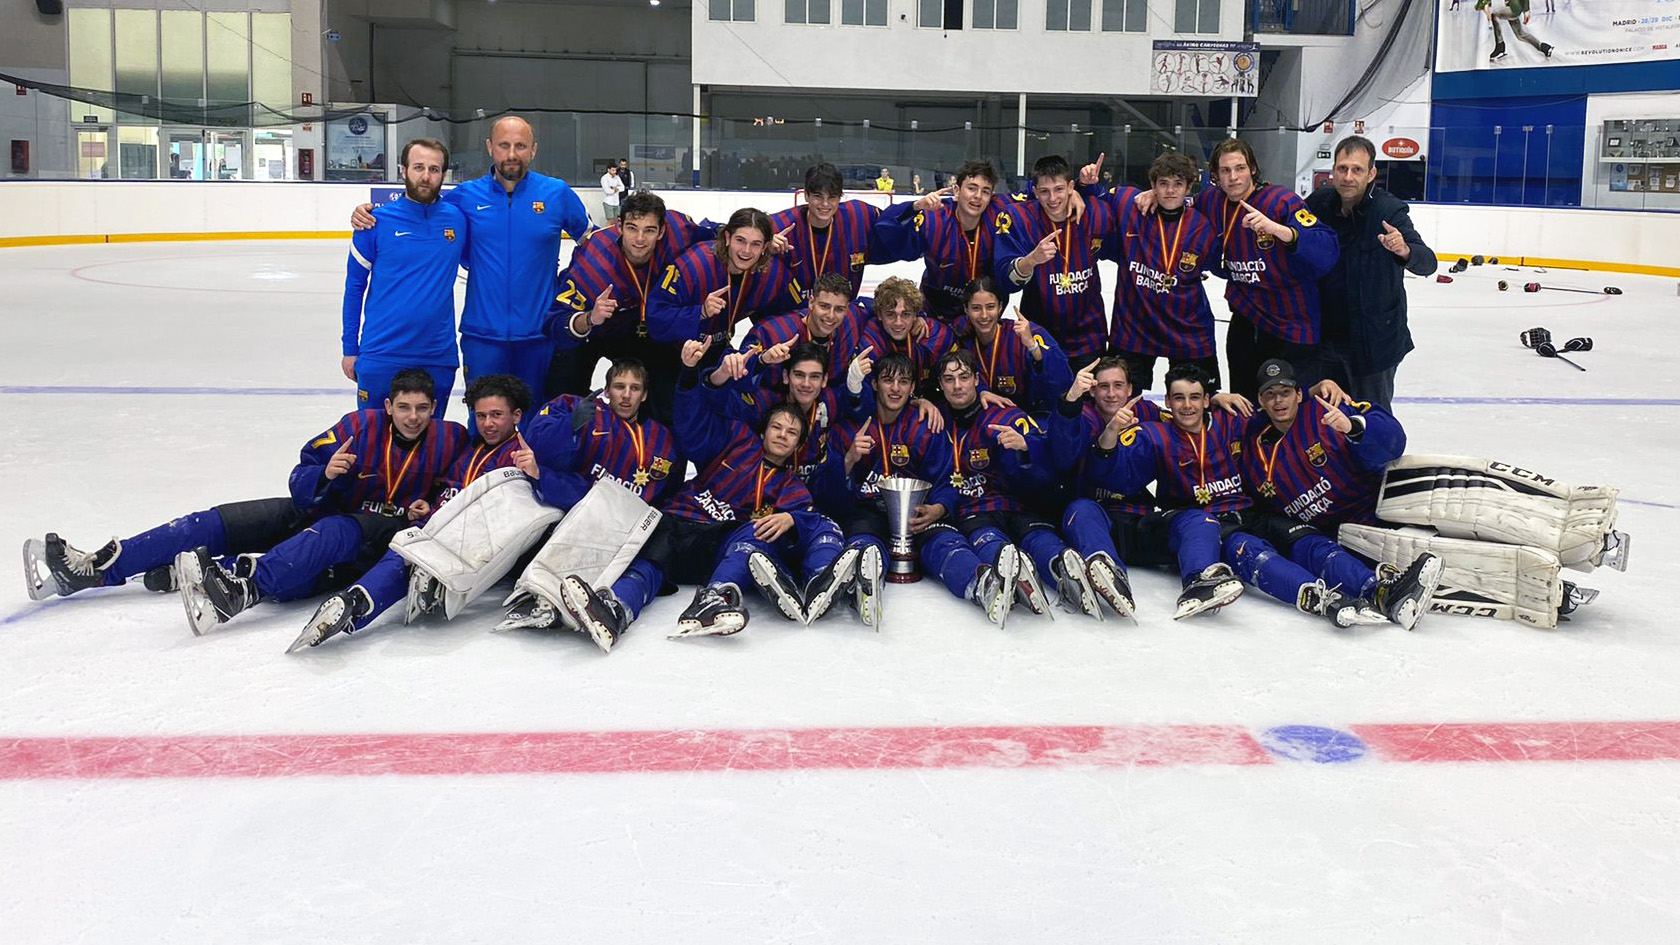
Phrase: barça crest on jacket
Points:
(1187, 262)
(1265, 241)
(1315, 454)
(449, 234)
(537, 206)
(979, 458)
(899, 455)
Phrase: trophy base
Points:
(901, 569)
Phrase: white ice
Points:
(1292, 852)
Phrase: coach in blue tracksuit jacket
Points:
(399, 288)
(515, 218)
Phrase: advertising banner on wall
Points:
(1215, 69)
(1518, 34)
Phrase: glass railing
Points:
(1626, 164)
(1302, 17)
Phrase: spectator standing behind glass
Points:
(611, 189)
(626, 175)
(1362, 298)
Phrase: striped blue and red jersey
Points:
(904, 447)
(736, 482)
(749, 400)
(1272, 284)
(794, 327)
(578, 440)
(676, 312)
(953, 257)
(476, 458)
(1074, 428)
(388, 475)
(599, 261)
(842, 247)
(1007, 367)
(923, 352)
(1160, 306)
(987, 477)
(1065, 294)
(1319, 476)
(1191, 470)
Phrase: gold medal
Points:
(957, 480)
(1267, 489)
(1204, 495)
(759, 513)
(640, 478)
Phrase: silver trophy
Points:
(901, 495)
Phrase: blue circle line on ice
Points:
(1313, 743)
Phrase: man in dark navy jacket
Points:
(1363, 297)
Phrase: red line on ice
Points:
(1524, 741)
(353, 755)
(274, 756)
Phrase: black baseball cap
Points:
(1274, 372)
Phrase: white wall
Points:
(68, 208)
(771, 53)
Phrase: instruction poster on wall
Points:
(1520, 34)
(1205, 68)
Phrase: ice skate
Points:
(1341, 610)
(1616, 545)
(598, 612)
(425, 595)
(209, 593)
(994, 586)
(160, 579)
(715, 611)
(1403, 596)
(829, 583)
(1030, 588)
(866, 587)
(1110, 583)
(54, 566)
(777, 585)
(1214, 588)
(1073, 585)
(530, 612)
(337, 614)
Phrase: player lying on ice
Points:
(392, 457)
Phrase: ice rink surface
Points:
(1253, 777)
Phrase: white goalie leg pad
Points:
(477, 536)
(1478, 578)
(597, 540)
(1468, 497)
